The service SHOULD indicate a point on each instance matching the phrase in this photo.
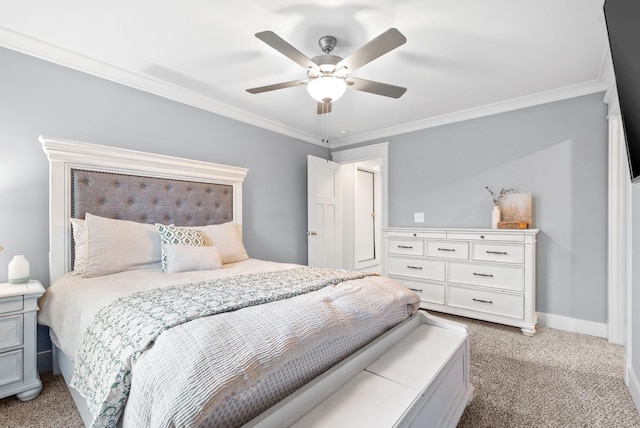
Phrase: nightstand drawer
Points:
(417, 268)
(11, 367)
(492, 252)
(497, 276)
(18, 344)
(10, 332)
(503, 304)
(406, 247)
(11, 304)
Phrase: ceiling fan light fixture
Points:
(326, 88)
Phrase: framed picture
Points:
(516, 208)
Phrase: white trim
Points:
(65, 155)
(39, 49)
(634, 385)
(618, 256)
(573, 325)
(567, 92)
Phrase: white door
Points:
(324, 227)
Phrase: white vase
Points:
(18, 270)
(495, 216)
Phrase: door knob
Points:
(312, 232)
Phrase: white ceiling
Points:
(462, 59)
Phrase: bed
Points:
(158, 317)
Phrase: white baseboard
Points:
(574, 325)
(634, 386)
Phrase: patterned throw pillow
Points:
(174, 235)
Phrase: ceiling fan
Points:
(328, 75)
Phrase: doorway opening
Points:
(364, 205)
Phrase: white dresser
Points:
(487, 274)
(18, 309)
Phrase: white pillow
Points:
(226, 237)
(185, 258)
(120, 245)
(80, 238)
(175, 235)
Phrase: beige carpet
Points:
(554, 379)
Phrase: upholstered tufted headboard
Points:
(132, 185)
(150, 199)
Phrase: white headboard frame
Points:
(66, 155)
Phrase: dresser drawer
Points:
(491, 302)
(498, 276)
(10, 367)
(10, 332)
(417, 234)
(407, 247)
(11, 304)
(448, 249)
(417, 268)
(497, 252)
(428, 291)
(488, 236)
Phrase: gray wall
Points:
(37, 97)
(557, 151)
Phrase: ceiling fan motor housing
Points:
(327, 43)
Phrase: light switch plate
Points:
(418, 217)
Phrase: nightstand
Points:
(18, 370)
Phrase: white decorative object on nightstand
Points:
(488, 274)
(18, 370)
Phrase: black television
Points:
(623, 25)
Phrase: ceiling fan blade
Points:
(377, 88)
(385, 42)
(324, 108)
(282, 46)
(275, 86)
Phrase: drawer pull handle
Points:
(482, 301)
(416, 289)
(497, 252)
(483, 274)
(405, 246)
(446, 249)
(414, 267)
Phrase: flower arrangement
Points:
(498, 198)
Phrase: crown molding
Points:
(48, 52)
(588, 88)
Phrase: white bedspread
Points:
(177, 382)
(70, 304)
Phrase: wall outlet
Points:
(418, 217)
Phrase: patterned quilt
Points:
(124, 330)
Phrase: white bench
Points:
(417, 374)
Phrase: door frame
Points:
(379, 152)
